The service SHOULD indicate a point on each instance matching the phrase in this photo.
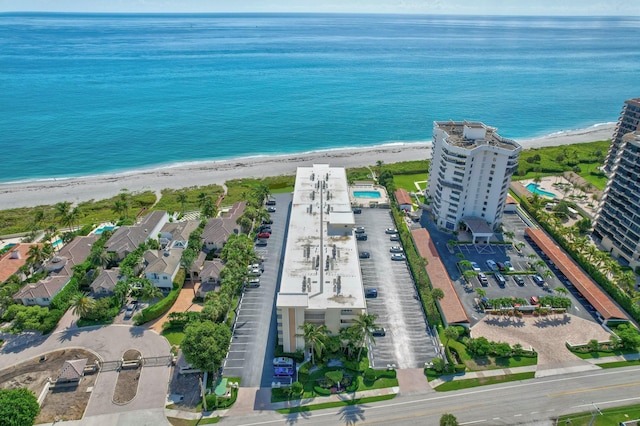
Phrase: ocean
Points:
(91, 94)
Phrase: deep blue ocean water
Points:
(90, 94)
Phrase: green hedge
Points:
(163, 306)
(321, 391)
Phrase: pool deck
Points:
(547, 184)
(382, 201)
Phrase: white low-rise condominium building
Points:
(321, 281)
(469, 174)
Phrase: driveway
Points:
(109, 343)
(184, 303)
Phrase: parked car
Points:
(283, 361)
(264, 228)
(283, 371)
(128, 313)
(255, 272)
(257, 266)
(508, 266)
(492, 265)
(394, 237)
(370, 293)
(361, 237)
(359, 230)
(483, 279)
(391, 231)
(500, 278)
(271, 202)
(378, 332)
(271, 209)
(254, 283)
(267, 221)
(264, 235)
(518, 279)
(475, 267)
(534, 300)
(398, 256)
(365, 255)
(357, 210)
(396, 249)
(538, 279)
(500, 266)
(261, 243)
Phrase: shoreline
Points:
(77, 189)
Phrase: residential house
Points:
(404, 199)
(209, 276)
(106, 282)
(162, 266)
(60, 269)
(127, 238)
(217, 230)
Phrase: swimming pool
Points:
(366, 194)
(56, 243)
(104, 228)
(533, 188)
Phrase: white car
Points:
(396, 249)
(398, 256)
(254, 283)
(475, 267)
(391, 231)
(508, 266)
(255, 272)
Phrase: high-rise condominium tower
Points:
(629, 122)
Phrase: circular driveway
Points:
(109, 343)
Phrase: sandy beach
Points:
(75, 190)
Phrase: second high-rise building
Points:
(470, 173)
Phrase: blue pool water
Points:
(533, 188)
(104, 228)
(56, 243)
(366, 194)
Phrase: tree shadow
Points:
(544, 322)
(303, 414)
(351, 414)
(68, 334)
(14, 343)
(137, 331)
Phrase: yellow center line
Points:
(594, 389)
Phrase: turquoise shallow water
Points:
(90, 94)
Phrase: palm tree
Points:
(437, 294)
(119, 207)
(365, 323)
(481, 292)
(450, 333)
(81, 304)
(561, 290)
(36, 255)
(62, 210)
(149, 292)
(209, 208)
(124, 198)
(201, 197)
(182, 198)
(448, 420)
(314, 338)
(99, 258)
(121, 291)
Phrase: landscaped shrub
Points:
(460, 368)
(353, 386)
(370, 375)
(321, 391)
(160, 308)
(227, 402)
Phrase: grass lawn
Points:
(174, 335)
(601, 354)
(618, 364)
(490, 362)
(184, 422)
(336, 404)
(382, 382)
(610, 417)
(90, 323)
(471, 383)
(407, 181)
(285, 190)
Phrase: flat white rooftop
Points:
(321, 267)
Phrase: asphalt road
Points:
(530, 402)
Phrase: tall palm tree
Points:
(182, 198)
(62, 210)
(119, 207)
(99, 258)
(81, 304)
(149, 292)
(315, 337)
(450, 333)
(124, 198)
(437, 294)
(365, 323)
(36, 255)
(209, 208)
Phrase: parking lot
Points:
(501, 253)
(407, 343)
(252, 346)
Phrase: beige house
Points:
(218, 230)
(60, 269)
(127, 238)
(106, 282)
(209, 276)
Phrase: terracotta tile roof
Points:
(510, 200)
(12, 260)
(402, 196)
(582, 282)
(450, 304)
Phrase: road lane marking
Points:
(593, 389)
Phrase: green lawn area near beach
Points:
(609, 417)
(169, 200)
(408, 181)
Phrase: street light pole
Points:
(596, 410)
